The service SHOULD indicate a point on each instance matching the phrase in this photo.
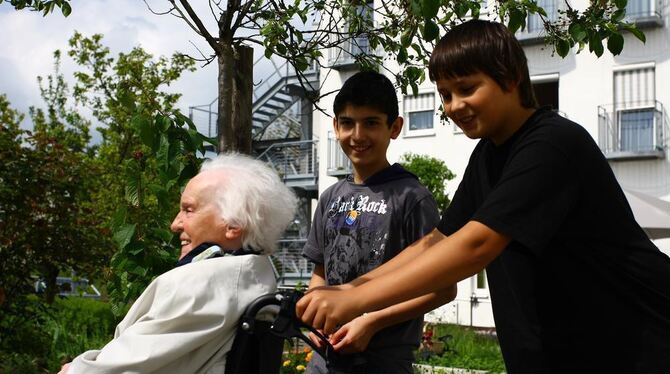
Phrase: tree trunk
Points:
(242, 98)
(52, 290)
(224, 119)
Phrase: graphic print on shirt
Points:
(356, 235)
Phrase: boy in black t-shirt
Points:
(575, 283)
(365, 220)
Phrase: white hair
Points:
(254, 199)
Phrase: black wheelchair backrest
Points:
(258, 344)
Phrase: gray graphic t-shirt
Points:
(358, 227)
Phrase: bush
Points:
(38, 338)
(466, 349)
(76, 325)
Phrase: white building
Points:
(621, 100)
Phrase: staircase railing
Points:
(293, 160)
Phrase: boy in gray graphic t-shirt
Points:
(367, 219)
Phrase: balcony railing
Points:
(338, 163)
(633, 130)
(289, 264)
(534, 31)
(344, 56)
(296, 162)
(644, 13)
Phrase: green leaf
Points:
(415, 7)
(281, 49)
(430, 8)
(163, 234)
(562, 47)
(430, 30)
(596, 45)
(406, 38)
(517, 20)
(268, 53)
(615, 43)
(132, 191)
(402, 55)
(621, 4)
(162, 153)
(638, 34)
(461, 9)
(577, 32)
(145, 129)
(124, 235)
(66, 9)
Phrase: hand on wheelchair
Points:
(327, 307)
(354, 336)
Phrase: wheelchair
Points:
(258, 344)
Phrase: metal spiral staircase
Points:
(279, 138)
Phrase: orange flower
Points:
(306, 349)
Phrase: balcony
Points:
(644, 13)
(296, 163)
(534, 32)
(338, 163)
(633, 131)
(344, 56)
(290, 267)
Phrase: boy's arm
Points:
(441, 265)
(318, 280)
(355, 335)
(402, 259)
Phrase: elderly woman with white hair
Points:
(231, 215)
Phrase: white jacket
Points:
(185, 321)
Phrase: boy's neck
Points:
(517, 118)
(362, 173)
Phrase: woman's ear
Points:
(233, 232)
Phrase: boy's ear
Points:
(337, 135)
(396, 127)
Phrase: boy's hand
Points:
(326, 308)
(354, 336)
(315, 339)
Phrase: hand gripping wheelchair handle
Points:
(288, 325)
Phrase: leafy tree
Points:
(406, 30)
(432, 172)
(44, 6)
(47, 208)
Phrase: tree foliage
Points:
(47, 211)
(432, 172)
(44, 6)
(302, 31)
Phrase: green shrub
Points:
(38, 338)
(76, 325)
(466, 349)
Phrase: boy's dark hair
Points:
(487, 47)
(370, 89)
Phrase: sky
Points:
(30, 39)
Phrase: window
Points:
(419, 113)
(634, 108)
(534, 23)
(644, 13)
(338, 163)
(534, 31)
(344, 56)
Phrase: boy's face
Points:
(364, 135)
(480, 107)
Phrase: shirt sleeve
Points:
(313, 249)
(421, 219)
(537, 190)
(461, 208)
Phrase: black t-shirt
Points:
(580, 287)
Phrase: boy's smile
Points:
(481, 108)
(364, 135)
